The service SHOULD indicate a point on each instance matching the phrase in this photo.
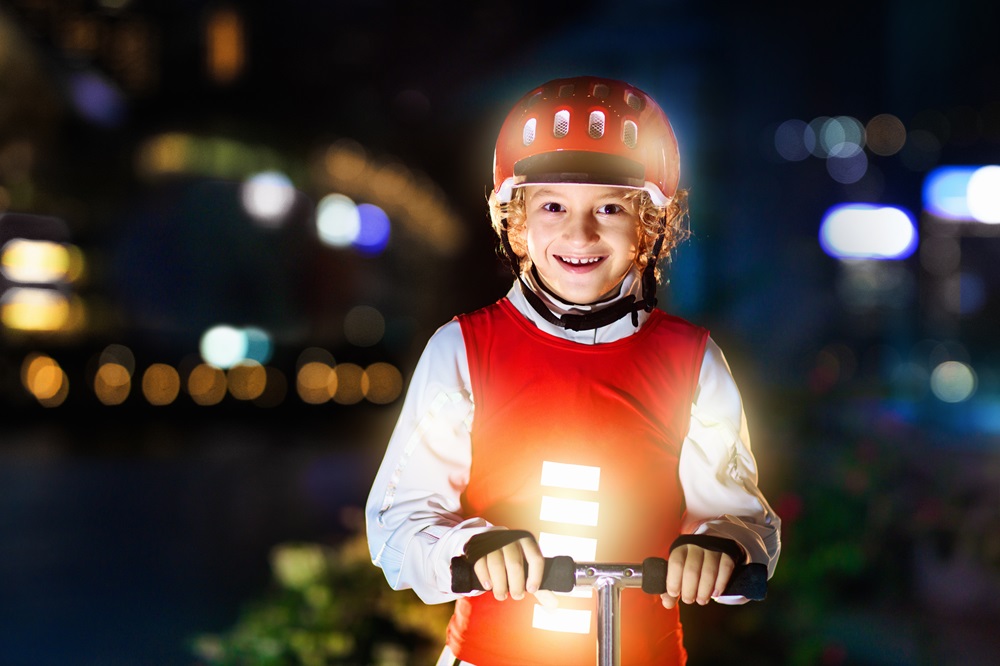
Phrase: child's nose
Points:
(582, 229)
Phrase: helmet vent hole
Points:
(634, 101)
(528, 135)
(566, 90)
(596, 127)
(561, 126)
(630, 134)
(601, 91)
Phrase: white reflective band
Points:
(565, 620)
(569, 511)
(575, 477)
(581, 549)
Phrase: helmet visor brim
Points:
(579, 167)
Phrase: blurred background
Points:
(227, 230)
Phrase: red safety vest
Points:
(578, 444)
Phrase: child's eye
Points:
(552, 207)
(611, 209)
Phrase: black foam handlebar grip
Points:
(654, 575)
(559, 575)
(748, 580)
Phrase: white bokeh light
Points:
(983, 194)
(223, 346)
(268, 197)
(866, 231)
(953, 381)
(338, 221)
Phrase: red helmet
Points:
(587, 130)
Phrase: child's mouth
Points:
(580, 261)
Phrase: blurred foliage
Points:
(329, 606)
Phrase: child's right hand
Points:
(502, 571)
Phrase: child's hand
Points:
(502, 571)
(696, 574)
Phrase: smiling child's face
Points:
(582, 239)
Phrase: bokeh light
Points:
(984, 194)
(112, 383)
(161, 384)
(315, 382)
(206, 385)
(789, 140)
(348, 389)
(35, 261)
(364, 326)
(338, 222)
(259, 345)
(44, 378)
(247, 380)
(847, 169)
(953, 381)
(34, 309)
(224, 346)
(373, 234)
(120, 354)
(268, 197)
(946, 192)
(885, 134)
(842, 136)
(866, 231)
(96, 98)
(224, 41)
(381, 383)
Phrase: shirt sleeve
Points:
(413, 520)
(718, 472)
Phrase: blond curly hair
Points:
(651, 223)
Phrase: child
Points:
(572, 417)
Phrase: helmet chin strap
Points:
(627, 305)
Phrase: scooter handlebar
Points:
(562, 574)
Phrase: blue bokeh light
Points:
(373, 236)
(945, 192)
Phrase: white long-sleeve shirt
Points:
(413, 513)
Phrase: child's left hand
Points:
(695, 574)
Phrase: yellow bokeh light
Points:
(112, 383)
(381, 383)
(35, 261)
(348, 385)
(161, 384)
(42, 376)
(31, 309)
(224, 34)
(166, 153)
(247, 380)
(207, 385)
(120, 354)
(346, 161)
(61, 393)
(316, 382)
